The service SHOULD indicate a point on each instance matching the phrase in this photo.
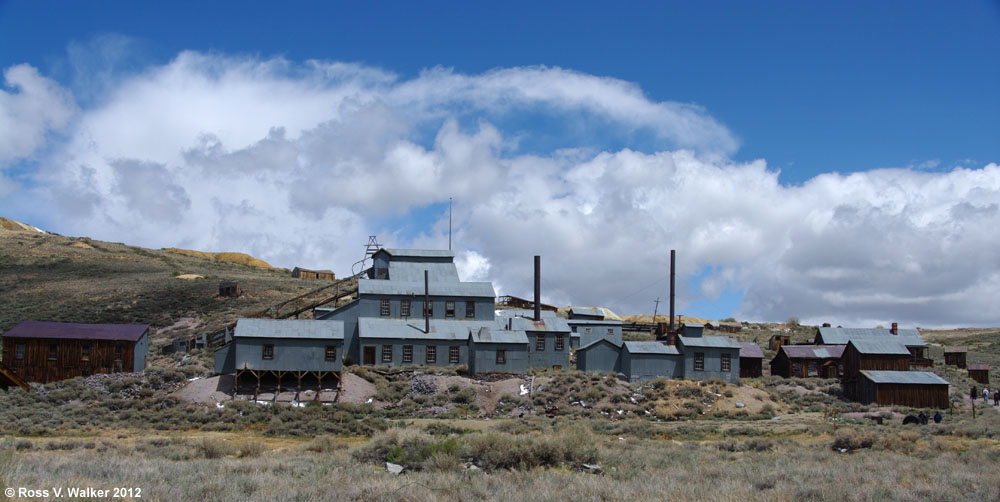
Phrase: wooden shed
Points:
(879, 355)
(50, 351)
(751, 360)
(808, 361)
(230, 289)
(917, 389)
(778, 341)
(955, 355)
(305, 273)
(980, 373)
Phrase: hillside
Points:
(55, 278)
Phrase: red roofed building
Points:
(49, 351)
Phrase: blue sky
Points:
(770, 100)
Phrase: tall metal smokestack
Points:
(673, 255)
(427, 303)
(538, 288)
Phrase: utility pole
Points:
(655, 308)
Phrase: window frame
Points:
(501, 356)
(429, 308)
(386, 353)
(586, 330)
(470, 309)
(449, 308)
(19, 351)
(85, 352)
(384, 307)
(454, 354)
(404, 307)
(53, 352)
(267, 351)
(611, 331)
(540, 342)
(330, 353)
(430, 354)
(699, 361)
(407, 353)
(726, 361)
(559, 343)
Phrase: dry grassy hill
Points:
(50, 277)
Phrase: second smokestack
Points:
(673, 254)
(427, 305)
(538, 288)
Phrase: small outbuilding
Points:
(778, 341)
(230, 289)
(648, 360)
(955, 355)
(980, 373)
(808, 361)
(916, 389)
(304, 273)
(494, 350)
(710, 357)
(751, 360)
(600, 355)
(46, 352)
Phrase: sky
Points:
(831, 162)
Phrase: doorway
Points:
(369, 356)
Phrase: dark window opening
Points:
(85, 352)
(268, 352)
(52, 352)
(470, 310)
(429, 309)
(331, 352)
(699, 361)
(431, 354)
(19, 351)
(501, 357)
(449, 308)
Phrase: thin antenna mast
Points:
(449, 223)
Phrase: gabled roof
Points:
(651, 348)
(546, 314)
(878, 346)
(709, 342)
(906, 377)
(499, 335)
(840, 336)
(813, 351)
(692, 325)
(598, 342)
(289, 329)
(547, 324)
(979, 367)
(587, 311)
(300, 269)
(393, 287)
(413, 329)
(420, 253)
(409, 271)
(956, 349)
(751, 350)
(74, 331)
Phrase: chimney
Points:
(510, 322)
(427, 298)
(538, 288)
(895, 329)
(673, 254)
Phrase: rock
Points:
(423, 385)
(739, 404)
(592, 468)
(393, 468)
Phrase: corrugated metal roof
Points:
(651, 348)
(413, 329)
(840, 336)
(466, 289)
(549, 324)
(717, 342)
(499, 335)
(750, 349)
(600, 341)
(420, 253)
(593, 322)
(407, 271)
(813, 351)
(979, 367)
(907, 377)
(878, 346)
(692, 325)
(70, 330)
(955, 349)
(546, 314)
(289, 328)
(588, 311)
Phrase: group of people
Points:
(986, 395)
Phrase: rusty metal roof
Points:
(813, 351)
(750, 349)
(74, 331)
(956, 349)
(879, 347)
(979, 367)
(907, 377)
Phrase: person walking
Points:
(986, 395)
(996, 397)
(973, 394)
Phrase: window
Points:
(407, 353)
(331, 352)
(268, 352)
(540, 342)
(699, 361)
(611, 331)
(501, 357)
(812, 369)
(453, 354)
(85, 352)
(19, 351)
(431, 354)
(384, 307)
(449, 308)
(429, 309)
(727, 363)
(559, 342)
(52, 352)
(387, 353)
(404, 308)
(470, 309)
(118, 351)
(573, 328)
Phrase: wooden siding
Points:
(36, 366)
(750, 367)
(912, 395)
(955, 359)
(781, 365)
(855, 362)
(981, 376)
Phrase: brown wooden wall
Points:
(36, 366)
(981, 376)
(799, 367)
(912, 395)
(955, 359)
(854, 362)
(750, 367)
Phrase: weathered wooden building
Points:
(954, 355)
(980, 373)
(230, 289)
(751, 360)
(917, 389)
(871, 355)
(777, 341)
(283, 354)
(909, 338)
(804, 361)
(305, 273)
(600, 355)
(50, 351)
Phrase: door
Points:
(369, 358)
